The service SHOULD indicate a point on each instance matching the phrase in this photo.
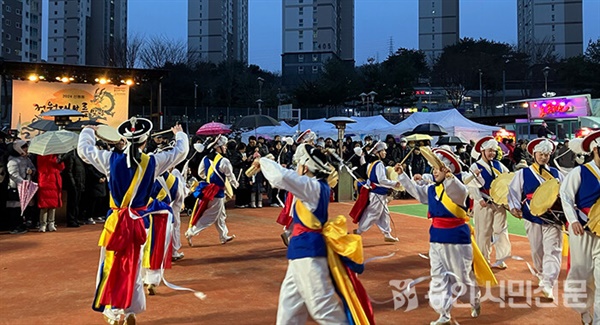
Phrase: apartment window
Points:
(54, 50)
(300, 22)
(7, 22)
(300, 69)
(553, 28)
(18, 11)
(432, 45)
(56, 12)
(55, 22)
(7, 8)
(315, 57)
(433, 37)
(301, 34)
(17, 25)
(300, 46)
(7, 50)
(315, 34)
(552, 7)
(300, 57)
(552, 17)
(315, 69)
(55, 31)
(7, 36)
(300, 1)
(301, 11)
(315, 21)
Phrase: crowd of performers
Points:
(141, 234)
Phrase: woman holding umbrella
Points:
(19, 168)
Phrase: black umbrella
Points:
(254, 121)
(75, 126)
(43, 125)
(430, 129)
(451, 141)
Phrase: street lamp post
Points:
(368, 98)
(546, 70)
(260, 101)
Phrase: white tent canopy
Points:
(451, 120)
(270, 131)
(363, 126)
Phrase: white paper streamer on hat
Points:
(490, 144)
(545, 146)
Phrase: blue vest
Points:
(121, 178)
(530, 184)
(487, 177)
(457, 235)
(214, 178)
(374, 180)
(588, 192)
(311, 244)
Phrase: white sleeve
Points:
(568, 190)
(456, 190)
(303, 187)
(202, 169)
(474, 193)
(382, 179)
(90, 154)
(227, 169)
(515, 191)
(417, 191)
(167, 159)
(362, 160)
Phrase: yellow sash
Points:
(339, 243)
(546, 176)
(212, 167)
(481, 268)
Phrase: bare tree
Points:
(541, 52)
(160, 50)
(124, 53)
(456, 93)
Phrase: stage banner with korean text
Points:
(107, 104)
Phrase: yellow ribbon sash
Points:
(546, 176)
(212, 167)
(481, 268)
(339, 243)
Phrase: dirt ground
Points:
(48, 278)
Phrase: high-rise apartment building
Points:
(438, 26)
(86, 32)
(314, 32)
(21, 30)
(218, 30)
(557, 24)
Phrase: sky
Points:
(376, 22)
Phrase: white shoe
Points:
(586, 318)
(548, 292)
(42, 229)
(189, 236)
(51, 227)
(476, 311)
(390, 239)
(500, 265)
(228, 239)
(177, 256)
(443, 320)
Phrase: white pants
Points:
(214, 214)
(176, 241)
(151, 276)
(582, 288)
(307, 290)
(458, 259)
(377, 212)
(546, 250)
(491, 221)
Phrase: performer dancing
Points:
(159, 223)
(545, 239)
(450, 248)
(119, 288)
(377, 211)
(490, 219)
(211, 207)
(580, 194)
(315, 248)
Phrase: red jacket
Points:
(50, 182)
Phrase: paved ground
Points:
(49, 278)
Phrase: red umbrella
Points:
(27, 190)
(213, 128)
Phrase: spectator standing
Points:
(240, 163)
(19, 168)
(544, 131)
(418, 163)
(74, 183)
(50, 190)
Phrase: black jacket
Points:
(74, 173)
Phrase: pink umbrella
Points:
(27, 190)
(213, 128)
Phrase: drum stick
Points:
(407, 155)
